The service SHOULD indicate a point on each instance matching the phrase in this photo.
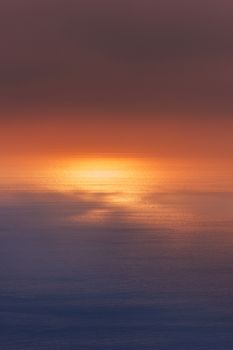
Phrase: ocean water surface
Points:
(116, 253)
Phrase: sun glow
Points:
(148, 191)
(101, 175)
(98, 170)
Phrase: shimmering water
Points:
(116, 254)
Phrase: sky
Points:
(139, 77)
(116, 174)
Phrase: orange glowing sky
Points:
(117, 135)
(148, 78)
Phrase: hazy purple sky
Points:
(160, 54)
(126, 60)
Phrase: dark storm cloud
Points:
(162, 55)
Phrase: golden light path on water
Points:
(152, 192)
(149, 191)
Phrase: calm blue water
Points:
(80, 270)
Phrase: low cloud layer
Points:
(164, 56)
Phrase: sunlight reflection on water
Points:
(116, 254)
(174, 194)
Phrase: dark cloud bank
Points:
(168, 56)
